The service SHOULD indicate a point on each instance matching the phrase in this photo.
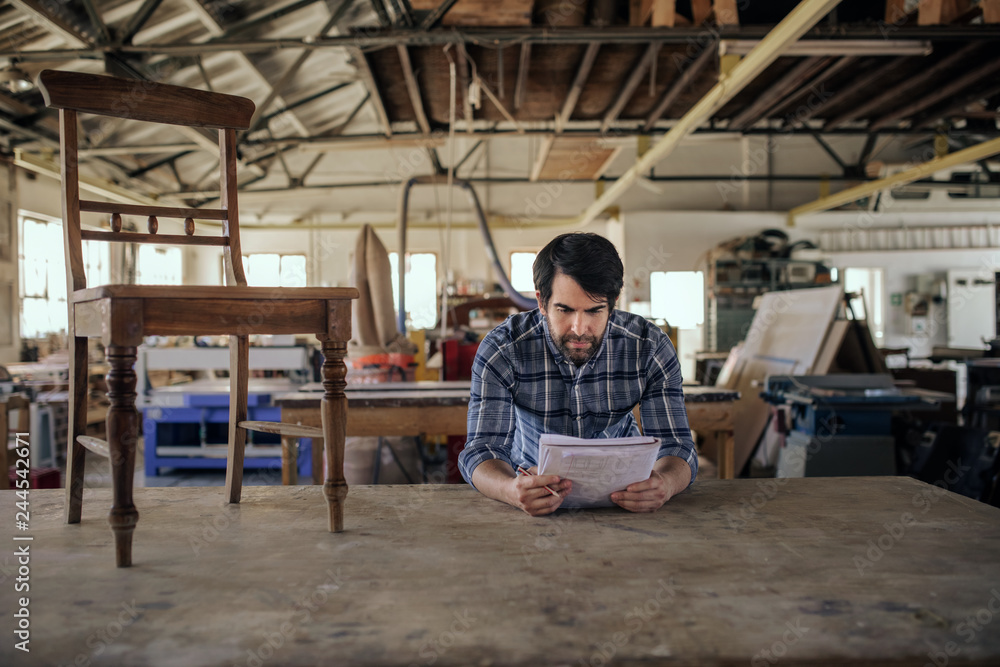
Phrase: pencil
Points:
(525, 472)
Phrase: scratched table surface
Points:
(789, 572)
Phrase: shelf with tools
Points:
(734, 284)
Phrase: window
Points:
(421, 288)
(678, 297)
(43, 274)
(159, 265)
(870, 283)
(521, 277)
(273, 270)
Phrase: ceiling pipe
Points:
(391, 37)
(519, 299)
(793, 26)
(971, 154)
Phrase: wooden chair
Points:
(121, 315)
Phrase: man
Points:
(575, 366)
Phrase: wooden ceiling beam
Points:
(38, 10)
(952, 107)
(726, 12)
(569, 104)
(271, 13)
(779, 90)
(215, 30)
(900, 90)
(799, 21)
(814, 87)
(941, 12)
(679, 85)
(701, 11)
(633, 81)
(365, 73)
(138, 20)
(988, 68)
(381, 13)
(404, 13)
(579, 80)
(966, 156)
(463, 87)
(523, 67)
(413, 89)
(286, 78)
(104, 36)
(435, 16)
(332, 133)
(876, 73)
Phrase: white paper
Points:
(597, 467)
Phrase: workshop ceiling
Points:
(357, 91)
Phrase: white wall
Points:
(329, 251)
(679, 241)
(902, 270)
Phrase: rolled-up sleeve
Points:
(662, 407)
(491, 408)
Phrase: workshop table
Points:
(441, 408)
(815, 571)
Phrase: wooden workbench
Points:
(806, 571)
(441, 408)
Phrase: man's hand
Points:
(670, 476)
(496, 479)
(528, 492)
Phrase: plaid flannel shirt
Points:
(523, 386)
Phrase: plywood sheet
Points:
(577, 159)
(831, 347)
(481, 12)
(785, 338)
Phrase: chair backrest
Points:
(76, 92)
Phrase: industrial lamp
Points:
(15, 79)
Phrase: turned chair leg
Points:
(123, 434)
(289, 460)
(75, 452)
(333, 407)
(239, 379)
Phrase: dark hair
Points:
(591, 260)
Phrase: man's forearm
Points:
(675, 471)
(492, 479)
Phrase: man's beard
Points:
(578, 356)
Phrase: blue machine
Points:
(840, 425)
(194, 434)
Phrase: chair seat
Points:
(168, 310)
(211, 292)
